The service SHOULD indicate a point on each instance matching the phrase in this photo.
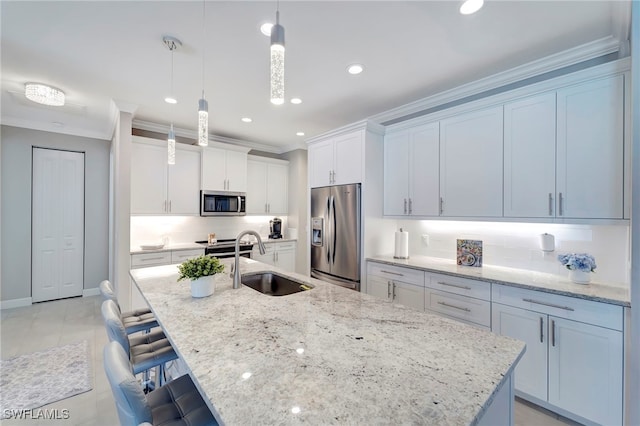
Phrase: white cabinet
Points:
(159, 188)
(463, 299)
(337, 160)
(590, 155)
(395, 284)
(282, 255)
(574, 357)
(224, 169)
(267, 186)
(471, 150)
(411, 171)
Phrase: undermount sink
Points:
(273, 284)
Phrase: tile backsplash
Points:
(517, 245)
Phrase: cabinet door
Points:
(396, 173)
(408, 295)
(236, 171)
(424, 170)
(277, 189)
(286, 259)
(184, 183)
(591, 149)
(348, 158)
(379, 287)
(214, 173)
(530, 157)
(585, 370)
(320, 163)
(148, 179)
(268, 257)
(256, 187)
(531, 328)
(471, 164)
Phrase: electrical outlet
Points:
(425, 239)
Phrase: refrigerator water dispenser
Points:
(317, 225)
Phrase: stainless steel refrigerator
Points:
(335, 235)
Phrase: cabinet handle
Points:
(394, 290)
(277, 257)
(265, 208)
(334, 176)
(269, 207)
(405, 206)
(388, 289)
(553, 305)
(330, 177)
(550, 204)
(164, 207)
(392, 273)
(553, 333)
(560, 205)
(441, 205)
(147, 259)
(410, 206)
(464, 287)
(541, 329)
(454, 307)
(169, 206)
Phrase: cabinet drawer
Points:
(458, 285)
(391, 272)
(587, 311)
(457, 306)
(179, 256)
(150, 259)
(285, 246)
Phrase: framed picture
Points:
(469, 253)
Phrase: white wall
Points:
(16, 148)
(298, 205)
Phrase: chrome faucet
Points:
(236, 270)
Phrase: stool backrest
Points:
(113, 324)
(131, 402)
(108, 292)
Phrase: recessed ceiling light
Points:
(43, 94)
(300, 134)
(170, 100)
(246, 119)
(471, 6)
(296, 101)
(355, 69)
(266, 28)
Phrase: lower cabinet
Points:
(397, 285)
(574, 356)
(282, 255)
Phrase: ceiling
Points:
(100, 51)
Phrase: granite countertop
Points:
(267, 240)
(169, 247)
(532, 280)
(329, 355)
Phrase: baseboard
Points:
(87, 292)
(15, 303)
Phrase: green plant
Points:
(201, 266)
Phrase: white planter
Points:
(203, 286)
(579, 277)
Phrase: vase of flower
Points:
(202, 287)
(201, 271)
(580, 266)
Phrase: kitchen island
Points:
(330, 355)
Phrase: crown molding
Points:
(46, 127)
(367, 124)
(550, 63)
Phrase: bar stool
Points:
(134, 321)
(146, 351)
(176, 403)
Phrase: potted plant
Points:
(580, 265)
(200, 270)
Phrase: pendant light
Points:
(277, 60)
(203, 105)
(172, 44)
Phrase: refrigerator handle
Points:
(334, 226)
(326, 230)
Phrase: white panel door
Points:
(236, 171)
(585, 370)
(396, 173)
(184, 183)
(408, 295)
(320, 163)
(348, 158)
(286, 259)
(214, 169)
(148, 179)
(379, 287)
(57, 224)
(256, 187)
(591, 149)
(530, 157)
(471, 164)
(531, 328)
(277, 188)
(424, 170)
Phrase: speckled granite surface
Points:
(326, 356)
(516, 277)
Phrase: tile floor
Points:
(44, 325)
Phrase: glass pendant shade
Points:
(277, 62)
(203, 122)
(43, 94)
(171, 146)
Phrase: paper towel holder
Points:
(398, 252)
(547, 242)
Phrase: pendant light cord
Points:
(204, 2)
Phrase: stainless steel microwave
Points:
(223, 203)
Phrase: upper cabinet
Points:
(412, 171)
(224, 169)
(267, 186)
(159, 188)
(337, 160)
(471, 164)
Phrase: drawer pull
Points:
(566, 308)
(392, 273)
(553, 333)
(146, 259)
(541, 329)
(454, 307)
(464, 287)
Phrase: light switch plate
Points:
(425, 239)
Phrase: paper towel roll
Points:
(547, 242)
(402, 245)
